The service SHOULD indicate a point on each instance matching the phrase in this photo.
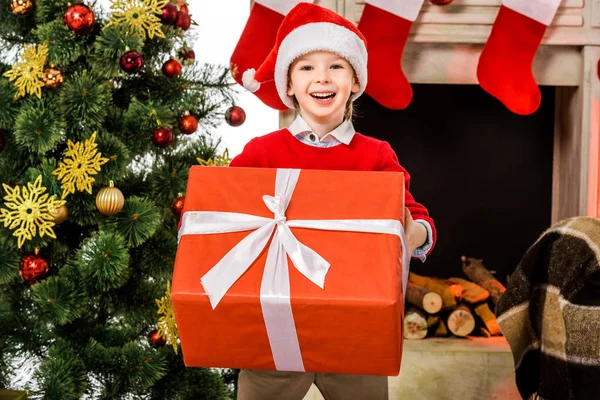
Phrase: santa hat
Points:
(307, 28)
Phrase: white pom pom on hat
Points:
(249, 82)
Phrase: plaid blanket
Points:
(550, 313)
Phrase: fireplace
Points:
(556, 149)
(484, 173)
(492, 180)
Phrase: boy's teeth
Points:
(323, 95)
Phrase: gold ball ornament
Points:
(21, 7)
(60, 215)
(110, 200)
(53, 78)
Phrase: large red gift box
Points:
(261, 284)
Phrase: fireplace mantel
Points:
(452, 369)
(444, 47)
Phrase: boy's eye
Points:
(305, 68)
(337, 66)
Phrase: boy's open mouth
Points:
(323, 96)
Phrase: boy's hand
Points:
(415, 233)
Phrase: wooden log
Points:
(440, 330)
(484, 332)
(473, 292)
(422, 298)
(477, 272)
(415, 324)
(461, 321)
(457, 290)
(432, 321)
(435, 285)
(488, 318)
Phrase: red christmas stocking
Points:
(504, 68)
(255, 43)
(385, 24)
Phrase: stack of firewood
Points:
(453, 306)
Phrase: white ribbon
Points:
(275, 285)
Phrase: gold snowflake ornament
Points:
(29, 209)
(219, 161)
(167, 328)
(80, 163)
(140, 15)
(28, 74)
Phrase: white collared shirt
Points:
(343, 134)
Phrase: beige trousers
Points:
(278, 385)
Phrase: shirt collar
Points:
(343, 133)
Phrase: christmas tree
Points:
(102, 113)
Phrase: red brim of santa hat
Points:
(305, 29)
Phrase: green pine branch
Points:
(156, 257)
(118, 155)
(84, 103)
(7, 107)
(83, 329)
(38, 126)
(9, 263)
(104, 261)
(136, 222)
(60, 298)
(50, 10)
(62, 375)
(63, 46)
(111, 44)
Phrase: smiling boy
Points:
(319, 64)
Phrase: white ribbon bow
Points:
(275, 285)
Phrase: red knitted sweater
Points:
(281, 149)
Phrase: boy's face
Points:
(322, 83)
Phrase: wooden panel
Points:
(487, 16)
(567, 154)
(479, 15)
(576, 182)
(428, 371)
(590, 121)
(445, 33)
(457, 64)
(595, 16)
(491, 3)
(331, 4)
(470, 21)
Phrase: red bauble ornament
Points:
(235, 116)
(186, 54)
(182, 5)
(155, 340)
(188, 124)
(131, 62)
(79, 18)
(169, 14)
(440, 2)
(177, 206)
(171, 68)
(33, 268)
(2, 139)
(183, 20)
(162, 137)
